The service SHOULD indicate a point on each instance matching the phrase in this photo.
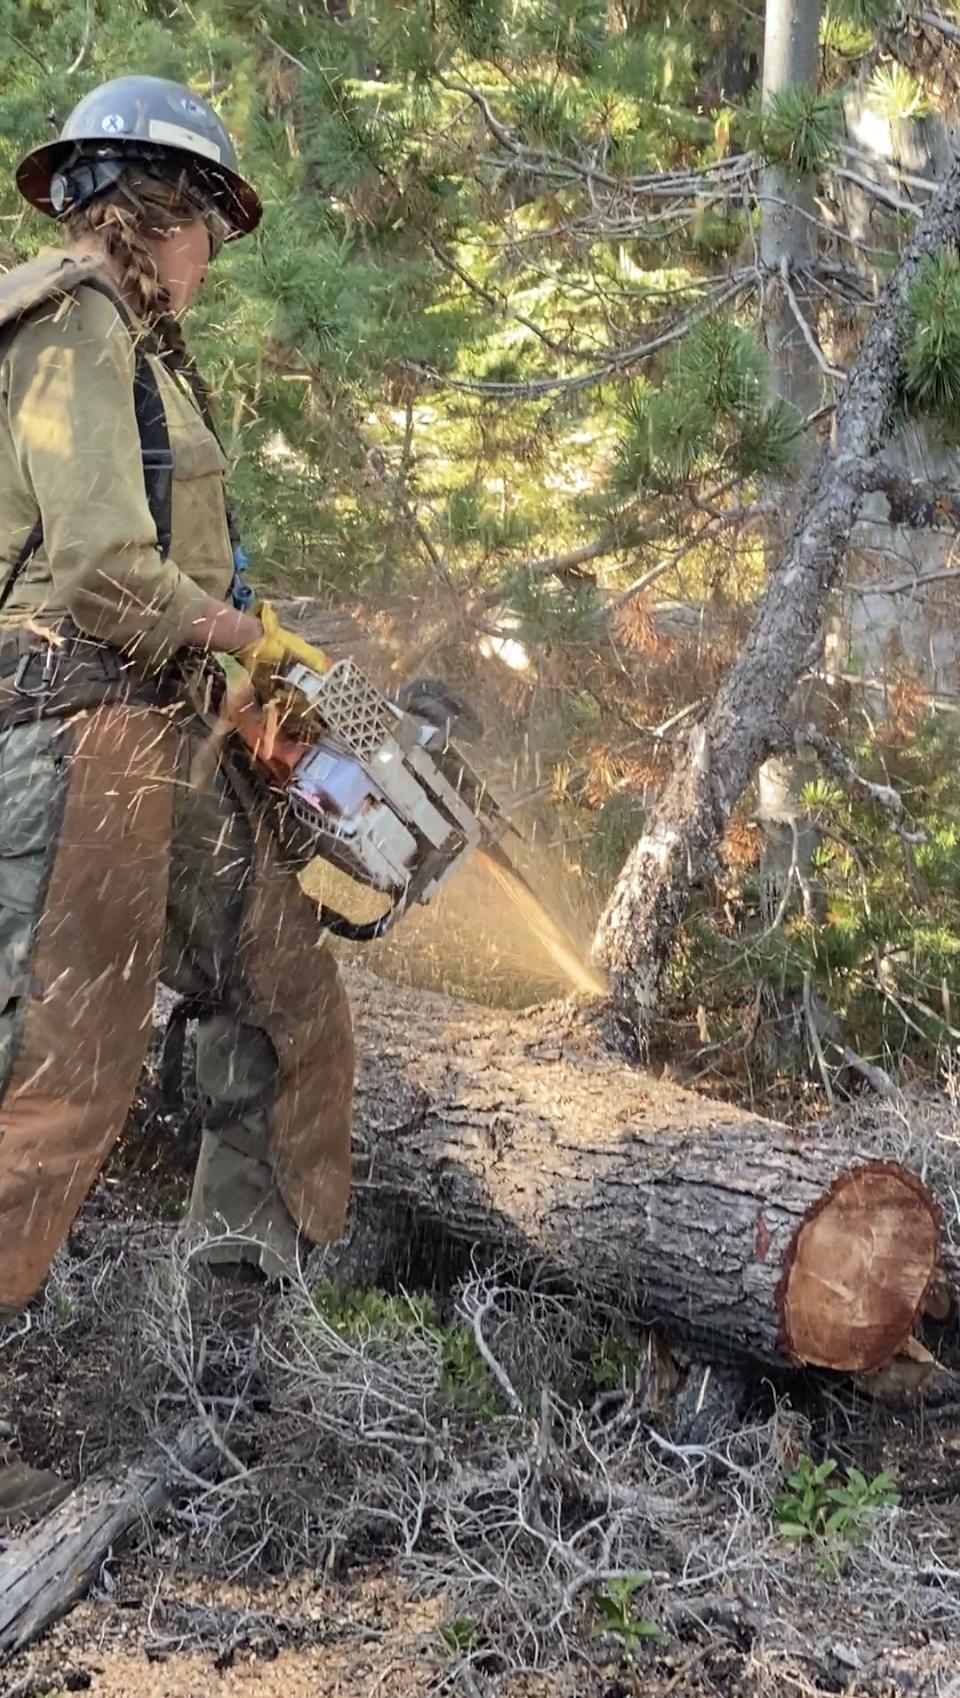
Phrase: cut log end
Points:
(858, 1270)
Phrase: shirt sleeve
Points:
(74, 429)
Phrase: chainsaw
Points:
(378, 790)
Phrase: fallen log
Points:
(522, 1136)
(45, 1572)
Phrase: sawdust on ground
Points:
(364, 1639)
(160, 1636)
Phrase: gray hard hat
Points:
(161, 125)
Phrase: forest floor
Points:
(164, 1623)
(385, 1528)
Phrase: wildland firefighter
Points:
(124, 859)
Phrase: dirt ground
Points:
(371, 1641)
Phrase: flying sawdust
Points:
(468, 941)
(536, 917)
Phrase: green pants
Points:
(234, 1191)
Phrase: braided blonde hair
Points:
(121, 222)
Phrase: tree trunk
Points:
(524, 1137)
(44, 1573)
(746, 721)
(788, 248)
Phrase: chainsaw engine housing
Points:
(379, 792)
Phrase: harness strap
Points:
(66, 673)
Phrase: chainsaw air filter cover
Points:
(377, 803)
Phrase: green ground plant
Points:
(828, 1507)
(616, 1617)
(379, 1320)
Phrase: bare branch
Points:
(805, 329)
(903, 586)
(913, 501)
(84, 47)
(477, 1300)
(893, 172)
(822, 224)
(621, 537)
(813, 1032)
(879, 191)
(876, 1077)
(943, 26)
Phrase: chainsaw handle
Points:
(297, 648)
(277, 644)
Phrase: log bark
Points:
(747, 720)
(523, 1137)
(44, 1573)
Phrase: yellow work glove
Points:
(267, 653)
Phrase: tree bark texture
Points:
(45, 1572)
(788, 246)
(746, 721)
(523, 1136)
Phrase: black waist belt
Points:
(51, 677)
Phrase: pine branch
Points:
(617, 361)
(498, 302)
(27, 50)
(737, 516)
(723, 174)
(843, 770)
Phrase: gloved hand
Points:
(433, 700)
(266, 654)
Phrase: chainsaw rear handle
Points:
(277, 645)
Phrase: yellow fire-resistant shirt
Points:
(70, 454)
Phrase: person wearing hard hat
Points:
(122, 858)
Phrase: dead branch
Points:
(43, 1574)
(914, 502)
(806, 330)
(942, 25)
(903, 586)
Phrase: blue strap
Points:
(241, 594)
